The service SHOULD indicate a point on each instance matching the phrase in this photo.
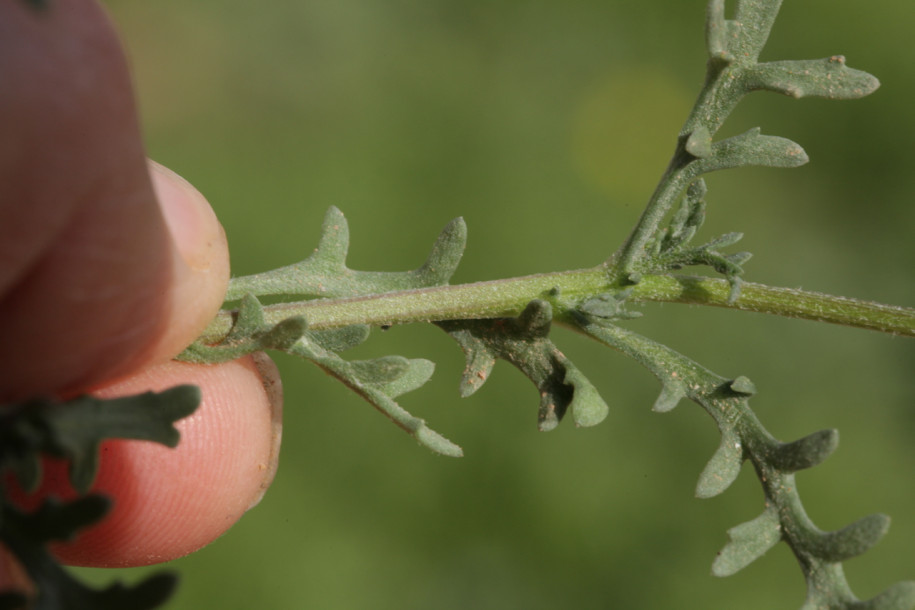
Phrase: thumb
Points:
(92, 270)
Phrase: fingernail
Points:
(270, 376)
(196, 231)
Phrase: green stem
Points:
(785, 302)
(508, 297)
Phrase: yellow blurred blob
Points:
(625, 129)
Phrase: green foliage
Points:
(326, 308)
(73, 430)
(524, 342)
(325, 274)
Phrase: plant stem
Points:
(785, 302)
(508, 297)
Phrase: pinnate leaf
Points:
(325, 274)
(379, 381)
(73, 430)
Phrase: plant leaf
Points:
(806, 452)
(852, 540)
(899, 595)
(749, 541)
(524, 342)
(418, 373)
(378, 382)
(742, 385)
(752, 148)
(829, 78)
(73, 430)
(718, 32)
(723, 468)
(325, 274)
(699, 143)
(672, 391)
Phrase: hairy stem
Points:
(508, 297)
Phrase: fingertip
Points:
(201, 266)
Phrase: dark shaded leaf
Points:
(524, 342)
(73, 430)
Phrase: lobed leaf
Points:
(719, 32)
(524, 342)
(380, 371)
(418, 373)
(588, 407)
(378, 382)
(752, 148)
(753, 21)
(723, 468)
(609, 306)
(325, 274)
(73, 430)
(852, 540)
(749, 541)
(742, 385)
(340, 339)
(829, 78)
(804, 453)
(687, 219)
(672, 392)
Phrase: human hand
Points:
(109, 267)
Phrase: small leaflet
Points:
(672, 392)
(852, 540)
(749, 541)
(379, 381)
(806, 452)
(829, 78)
(752, 148)
(899, 595)
(723, 468)
(742, 385)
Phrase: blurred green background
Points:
(545, 125)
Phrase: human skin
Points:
(109, 267)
